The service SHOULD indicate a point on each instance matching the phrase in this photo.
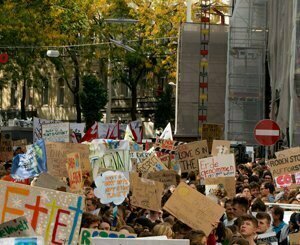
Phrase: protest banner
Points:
(212, 132)
(139, 241)
(111, 187)
(37, 240)
(218, 166)
(56, 132)
(294, 238)
(188, 155)
(268, 238)
(166, 145)
(74, 172)
(57, 158)
(18, 227)
(146, 193)
(221, 183)
(52, 214)
(289, 164)
(30, 164)
(150, 164)
(86, 235)
(287, 152)
(194, 209)
(167, 177)
(288, 180)
(37, 127)
(6, 147)
(220, 147)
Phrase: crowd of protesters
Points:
(253, 211)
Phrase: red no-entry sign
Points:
(267, 132)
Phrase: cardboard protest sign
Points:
(193, 208)
(18, 227)
(294, 238)
(218, 166)
(188, 155)
(86, 235)
(166, 145)
(269, 238)
(139, 241)
(146, 193)
(56, 132)
(37, 240)
(287, 152)
(30, 164)
(226, 183)
(112, 187)
(167, 177)
(57, 157)
(48, 181)
(52, 214)
(37, 127)
(168, 160)
(286, 165)
(6, 147)
(74, 172)
(150, 164)
(212, 132)
(288, 180)
(220, 147)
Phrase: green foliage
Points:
(92, 98)
(165, 110)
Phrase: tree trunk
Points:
(23, 108)
(133, 102)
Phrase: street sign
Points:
(267, 132)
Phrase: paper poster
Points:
(86, 235)
(6, 147)
(188, 155)
(220, 183)
(74, 172)
(218, 166)
(289, 164)
(112, 187)
(212, 132)
(288, 180)
(150, 164)
(18, 227)
(52, 214)
(30, 164)
(57, 158)
(37, 127)
(268, 238)
(139, 241)
(194, 209)
(166, 145)
(22, 241)
(294, 238)
(167, 177)
(56, 132)
(146, 193)
(220, 147)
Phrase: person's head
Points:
(258, 206)
(266, 189)
(142, 224)
(126, 229)
(277, 213)
(229, 209)
(154, 215)
(248, 226)
(92, 204)
(246, 192)
(17, 150)
(254, 189)
(163, 229)
(89, 192)
(239, 241)
(196, 237)
(90, 221)
(7, 167)
(240, 206)
(264, 222)
(294, 222)
(104, 225)
(267, 177)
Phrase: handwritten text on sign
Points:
(74, 172)
(288, 164)
(52, 214)
(219, 166)
(188, 155)
(56, 132)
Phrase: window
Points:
(13, 94)
(45, 92)
(61, 91)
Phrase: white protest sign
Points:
(56, 132)
(218, 166)
(37, 127)
(269, 238)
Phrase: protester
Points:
(267, 192)
(248, 228)
(279, 226)
(264, 223)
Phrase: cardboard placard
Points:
(48, 181)
(212, 132)
(112, 187)
(74, 172)
(294, 238)
(167, 177)
(227, 183)
(168, 160)
(218, 166)
(6, 147)
(56, 132)
(139, 241)
(220, 147)
(18, 227)
(57, 158)
(86, 235)
(289, 164)
(288, 180)
(166, 145)
(193, 208)
(150, 164)
(188, 155)
(52, 214)
(287, 152)
(146, 193)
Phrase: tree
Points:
(164, 108)
(93, 98)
